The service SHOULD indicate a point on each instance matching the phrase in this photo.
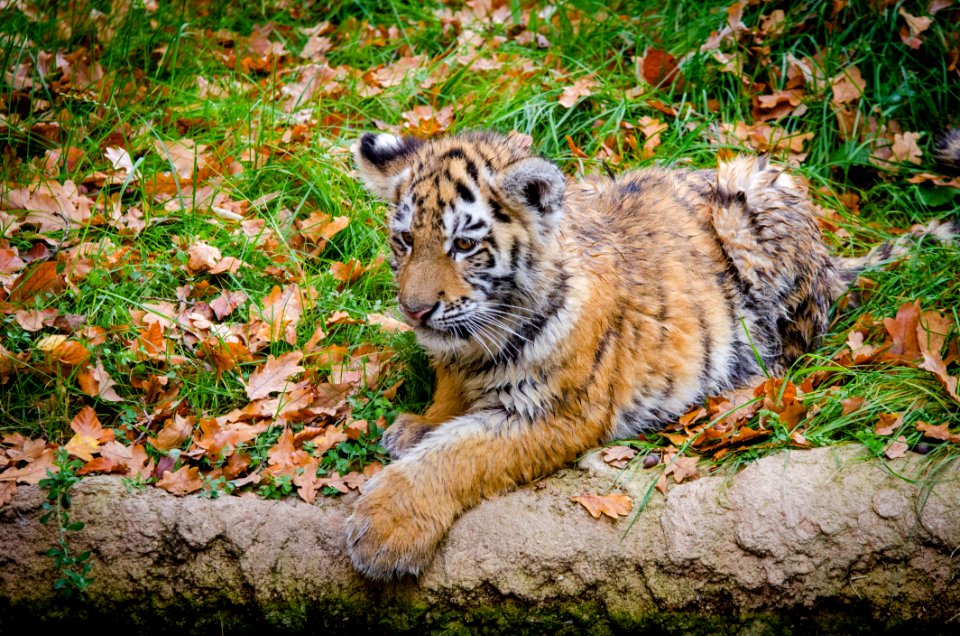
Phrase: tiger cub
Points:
(561, 315)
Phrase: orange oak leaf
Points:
(176, 430)
(388, 323)
(37, 279)
(576, 91)
(181, 482)
(222, 439)
(33, 472)
(285, 458)
(619, 456)
(888, 423)
(274, 375)
(7, 490)
(100, 465)
(903, 330)
(848, 85)
(96, 382)
(82, 446)
(614, 505)
(86, 423)
(941, 432)
(897, 448)
(935, 364)
(202, 257)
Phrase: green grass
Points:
(151, 63)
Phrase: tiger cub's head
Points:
(472, 229)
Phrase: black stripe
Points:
(497, 211)
(465, 193)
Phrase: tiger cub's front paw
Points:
(405, 433)
(394, 530)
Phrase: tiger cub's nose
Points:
(418, 312)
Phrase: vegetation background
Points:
(192, 286)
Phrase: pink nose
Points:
(417, 312)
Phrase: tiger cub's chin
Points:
(582, 312)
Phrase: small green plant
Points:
(276, 487)
(213, 488)
(74, 570)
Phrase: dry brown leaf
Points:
(182, 482)
(176, 430)
(224, 304)
(905, 148)
(888, 423)
(848, 85)
(897, 448)
(941, 432)
(86, 423)
(7, 490)
(101, 465)
(388, 323)
(851, 404)
(903, 331)
(614, 505)
(274, 375)
(619, 456)
(33, 472)
(96, 382)
(33, 319)
(683, 468)
(936, 365)
(37, 279)
(658, 67)
(202, 257)
(576, 91)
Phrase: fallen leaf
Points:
(619, 456)
(941, 432)
(388, 323)
(577, 91)
(7, 490)
(658, 67)
(176, 430)
(905, 148)
(100, 465)
(82, 446)
(936, 365)
(182, 482)
(682, 468)
(903, 330)
(202, 257)
(848, 85)
(37, 279)
(33, 472)
(96, 382)
(614, 505)
(86, 423)
(851, 404)
(897, 449)
(274, 375)
(888, 423)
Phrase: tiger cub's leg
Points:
(407, 508)
(409, 428)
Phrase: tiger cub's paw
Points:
(405, 433)
(392, 531)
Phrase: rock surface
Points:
(819, 541)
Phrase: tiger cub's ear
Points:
(537, 186)
(382, 161)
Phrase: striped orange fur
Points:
(561, 315)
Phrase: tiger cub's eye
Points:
(464, 244)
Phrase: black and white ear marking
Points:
(537, 185)
(382, 161)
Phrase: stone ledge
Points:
(823, 541)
